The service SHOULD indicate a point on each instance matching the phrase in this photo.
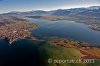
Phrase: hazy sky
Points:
(27, 5)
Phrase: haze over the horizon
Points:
(27, 5)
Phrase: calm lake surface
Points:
(25, 52)
(66, 29)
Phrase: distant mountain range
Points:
(89, 15)
(91, 11)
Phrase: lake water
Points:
(66, 29)
(26, 52)
(20, 53)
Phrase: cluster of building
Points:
(95, 27)
(16, 30)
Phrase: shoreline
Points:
(16, 30)
(92, 26)
(89, 52)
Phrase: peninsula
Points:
(13, 31)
